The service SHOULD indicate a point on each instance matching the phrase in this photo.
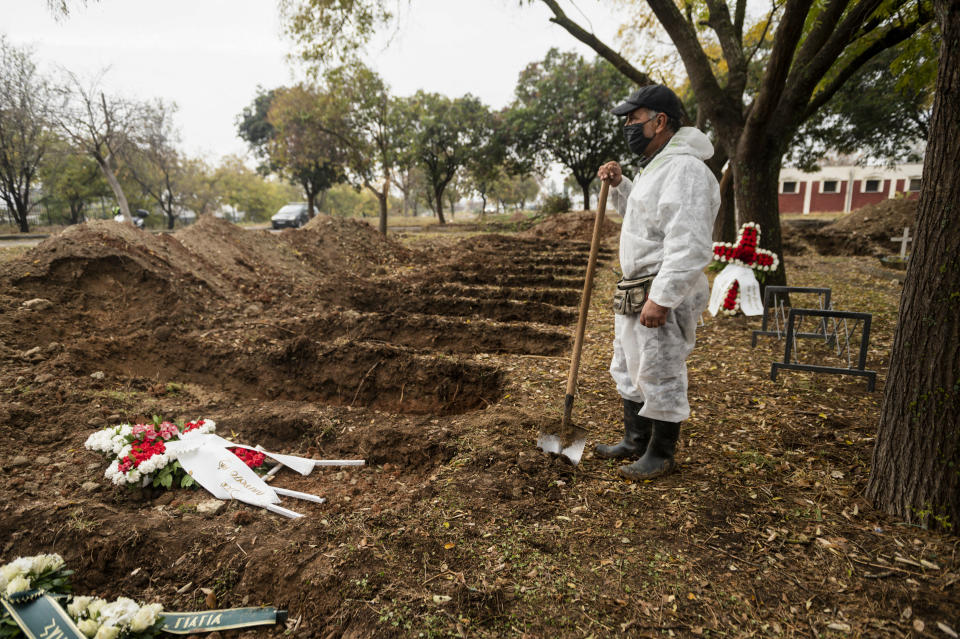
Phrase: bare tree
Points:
(100, 125)
(25, 101)
(154, 161)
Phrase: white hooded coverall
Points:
(668, 216)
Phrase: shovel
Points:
(569, 440)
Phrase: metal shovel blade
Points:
(568, 441)
(553, 445)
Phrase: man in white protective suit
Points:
(665, 244)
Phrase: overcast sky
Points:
(209, 55)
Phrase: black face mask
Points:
(636, 140)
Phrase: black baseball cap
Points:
(653, 96)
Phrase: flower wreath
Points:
(743, 253)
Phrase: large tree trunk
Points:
(311, 198)
(19, 210)
(76, 212)
(916, 460)
(586, 194)
(725, 227)
(382, 200)
(438, 197)
(104, 164)
(756, 175)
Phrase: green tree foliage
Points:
(514, 190)
(486, 164)
(412, 184)
(26, 98)
(71, 182)
(101, 126)
(368, 122)
(245, 190)
(329, 32)
(301, 148)
(442, 134)
(255, 129)
(562, 111)
(882, 112)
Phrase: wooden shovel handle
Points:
(587, 289)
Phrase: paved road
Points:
(7, 243)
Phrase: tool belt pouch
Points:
(630, 295)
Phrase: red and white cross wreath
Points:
(736, 289)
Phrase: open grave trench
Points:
(404, 344)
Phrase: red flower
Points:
(252, 458)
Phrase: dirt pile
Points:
(102, 276)
(879, 220)
(256, 264)
(866, 231)
(333, 244)
(577, 225)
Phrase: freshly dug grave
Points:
(576, 225)
(458, 526)
(429, 332)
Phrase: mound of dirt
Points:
(879, 221)
(577, 225)
(334, 244)
(866, 231)
(103, 265)
(257, 264)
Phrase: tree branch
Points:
(605, 52)
(892, 37)
(804, 80)
(778, 67)
(763, 34)
(826, 22)
(731, 45)
(739, 15)
(723, 112)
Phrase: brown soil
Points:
(866, 231)
(577, 225)
(438, 365)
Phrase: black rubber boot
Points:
(636, 434)
(658, 460)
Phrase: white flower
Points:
(78, 606)
(88, 627)
(12, 571)
(154, 464)
(18, 584)
(207, 426)
(145, 617)
(101, 441)
(95, 606)
(46, 563)
(119, 612)
(107, 632)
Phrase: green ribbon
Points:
(40, 616)
(185, 623)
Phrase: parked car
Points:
(291, 216)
